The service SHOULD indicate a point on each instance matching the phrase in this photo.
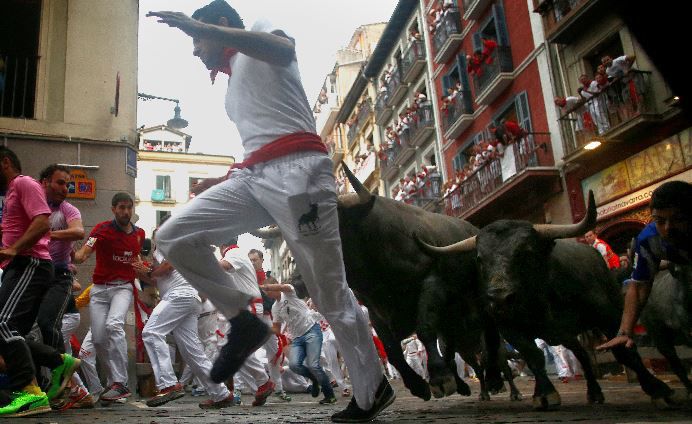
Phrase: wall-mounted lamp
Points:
(176, 122)
(593, 144)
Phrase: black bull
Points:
(540, 287)
(406, 291)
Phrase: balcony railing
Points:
(621, 102)
(17, 85)
(473, 9)
(382, 112)
(429, 192)
(460, 109)
(492, 175)
(399, 152)
(413, 61)
(500, 62)
(564, 20)
(447, 35)
(423, 124)
(394, 87)
(336, 151)
(361, 118)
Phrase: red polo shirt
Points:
(115, 251)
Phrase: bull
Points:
(539, 286)
(406, 291)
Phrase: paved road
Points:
(625, 403)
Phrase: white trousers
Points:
(330, 348)
(271, 349)
(70, 323)
(206, 328)
(298, 193)
(178, 315)
(416, 364)
(108, 308)
(87, 355)
(292, 382)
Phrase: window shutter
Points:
(446, 83)
(464, 76)
(500, 24)
(477, 42)
(521, 104)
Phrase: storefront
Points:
(623, 190)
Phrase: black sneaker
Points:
(315, 389)
(328, 400)
(248, 333)
(384, 396)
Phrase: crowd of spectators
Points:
(414, 186)
(408, 118)
(163, 147)
(438, 13)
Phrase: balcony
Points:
(413, 61)
(494, 77)
(458, 115)
(336, 151)
(361, 118)
(382, 112)
(160, 196)
(398, 154)
(447, 36)
(429, 195)
(473, 9)
(365, 168)
(18, 85)
(423, 124)
(619, 113)
(508, 186)
(395, 88)
(567, 20)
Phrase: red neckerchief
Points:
(228, 53)
(233, 246)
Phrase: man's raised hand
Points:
(179, 20)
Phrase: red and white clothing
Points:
(268, 102)
(111, 294)
(606, 251)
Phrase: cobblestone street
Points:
(625, 403)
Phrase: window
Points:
(19, 35)
(163, 183)
(494, 28)
(162, 216)
(611, 47)
(517, 111)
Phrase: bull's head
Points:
(513, 254)
(361, 198)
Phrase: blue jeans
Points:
(304, 359)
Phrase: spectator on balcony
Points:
(387, 76)
(489, 46)
(473, 64)
(619, 67)
(419, 98)
(597, 103)
(413, 36)
(513, 130)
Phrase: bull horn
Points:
(465, 245)
(552, 232)
(267, 233)
(361, 196)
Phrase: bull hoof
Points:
(596, 397)
(444, 386)
(483, 396)
(463, 388)
(422, 392)
(501, 389)
(674, 399)
(547, 402)
(515, 396)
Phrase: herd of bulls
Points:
(510, 278)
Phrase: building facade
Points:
(625, 139)
(167, 172)
(500, 144)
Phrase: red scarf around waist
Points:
(282, 146)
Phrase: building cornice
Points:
(179, 157)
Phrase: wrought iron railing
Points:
(620, 102)
(500, 61)
(461, 105)
(449, 25)
(414, 52)
(492, 175)
(17, 85)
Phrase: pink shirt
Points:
(60, 218)
(25, 199)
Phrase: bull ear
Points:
(550, 231)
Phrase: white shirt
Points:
(618, 68)
(172, 284)
(294, 312)
(266, 101)
(243, 273)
